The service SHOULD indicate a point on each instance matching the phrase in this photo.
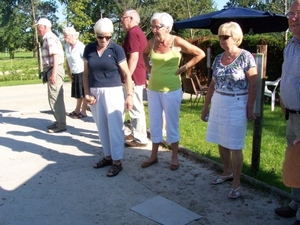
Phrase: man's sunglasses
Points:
(101, 37)
(224, 37)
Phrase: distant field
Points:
(22, 68)
(18, 55)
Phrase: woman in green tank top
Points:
(164, 90)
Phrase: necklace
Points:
(231, 56)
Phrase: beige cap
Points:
(43, 21)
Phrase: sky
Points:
(220, 3)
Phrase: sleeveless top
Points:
(164, 66)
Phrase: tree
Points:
(16, 23)
(274, 6)
(13, 27)
(80, 13)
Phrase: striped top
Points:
(290, 77)
(51, 46)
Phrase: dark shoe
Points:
(285, 211)
(102, 163)
(297, 222)
(174, 167)
(52, 125)
(114, 170)
(56, 130)
(79, 116)
(71, 114)
(147, 164)
(129, 137)
(135, 144)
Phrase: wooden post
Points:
(37, 45)
(257, 134)
(258, 109)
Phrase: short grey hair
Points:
(134, 14)
(234, 30)
(104, 25)
(164, 19)
(71, 31)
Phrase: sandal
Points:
(114, 170)
(102, 163)
(221, 179)
(72, 114)
(234, 193)
(79, 116)
(174, 167)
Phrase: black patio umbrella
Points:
(249, 19)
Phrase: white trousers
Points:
(108, 116)
(137, 116)
(170, 103)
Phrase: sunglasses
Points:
(224, 37)
(101, 37)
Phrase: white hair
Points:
(164, 19)
(104, 25)
(71, 31)
(134, 14)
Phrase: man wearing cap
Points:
(52, 59)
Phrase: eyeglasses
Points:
(156, 27)
(66, 35)
(224, 37)
(293, 14)
(101, 37)
(124, 17)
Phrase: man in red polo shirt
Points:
(134, 44)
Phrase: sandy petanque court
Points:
(49, 178)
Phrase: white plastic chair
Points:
(270, 93)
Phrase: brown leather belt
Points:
(231, 95)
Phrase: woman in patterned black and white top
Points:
(232, 94)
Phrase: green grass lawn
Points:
(273, 143)
(21, 70)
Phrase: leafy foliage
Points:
(84, 13)
(274, 6)
(16, 22)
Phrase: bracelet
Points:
(205, 109)
(186, 67)
(130, 95)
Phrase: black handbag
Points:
(43, 75)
